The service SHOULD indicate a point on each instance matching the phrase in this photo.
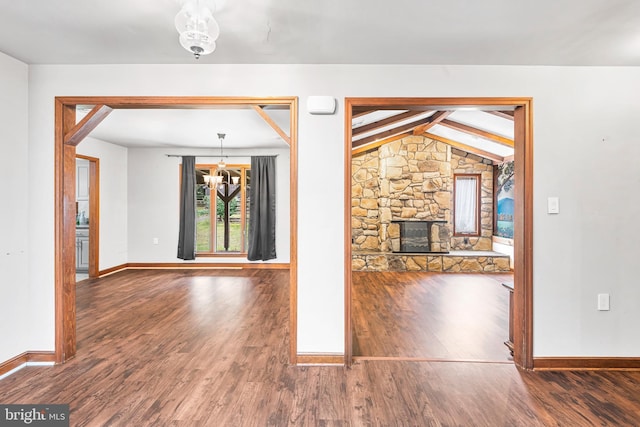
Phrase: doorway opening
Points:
(87, 217)
(414, 118)
(69, 133)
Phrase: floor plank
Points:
(431, 316)
(209, 348)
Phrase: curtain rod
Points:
(215, 155)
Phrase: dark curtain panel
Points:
(262, 209)
(187, 235)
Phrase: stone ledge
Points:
(453, 262)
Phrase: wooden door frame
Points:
(94, 214)
(523, 214)
(68, 134)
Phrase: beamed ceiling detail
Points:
(487, 134)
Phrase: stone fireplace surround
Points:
(412, 179)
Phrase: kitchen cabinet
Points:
(82, 249)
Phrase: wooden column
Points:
(65, 225)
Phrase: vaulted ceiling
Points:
(486, 132)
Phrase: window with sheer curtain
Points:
(466, 205)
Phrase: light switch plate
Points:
(553, 205)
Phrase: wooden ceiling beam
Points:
(391, 132)
(87, 124)
(477, 132)
(385, 122)
(272, 123)
(375, 145)
(464, 147)
(359, 112)
(504, 114)
(435, 119)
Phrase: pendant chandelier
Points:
(213, 181)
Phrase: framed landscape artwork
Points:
(504, 201)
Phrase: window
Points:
(466, 205)
(222, 212)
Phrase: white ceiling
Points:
(486, 32)
(492, 32)
(244, 128)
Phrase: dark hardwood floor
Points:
(209, 348)
(431, 316)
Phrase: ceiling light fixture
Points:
(213, 181)
(221, 163)
(197, 27)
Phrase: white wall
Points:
(586, 249)
(14, 205)
(113, 199)
(154, 198)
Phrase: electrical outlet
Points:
(155, 241)
(603, 302)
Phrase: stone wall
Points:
(412, 179)
(415, 176)
(463, 162)
(365, 191)
(481, 263)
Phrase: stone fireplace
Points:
(410, 181)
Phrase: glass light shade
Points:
(197, 27)
(207, 178)
(235, 180)
(219, 179)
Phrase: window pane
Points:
(466, 204)
(229, 213)
(203, 217)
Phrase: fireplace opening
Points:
(417, 237)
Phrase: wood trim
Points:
(221, 255)
(211, 265)
(391, 132)
(293, 224)
(504, 114)
(478, 178)
(401, 103)
(436, 119)
(385, 122)
(64, 231)
(13, 363)
(272, 123)
(373, 146)
(523, 236)
(586, 363)
(348, 232)
(29, 356)
(112, 269)
(41, 356)
(94, 214)
(321, 359)
(77, 133)
(477, 132)
(464, 147)
(523, 227)
(64, 178)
